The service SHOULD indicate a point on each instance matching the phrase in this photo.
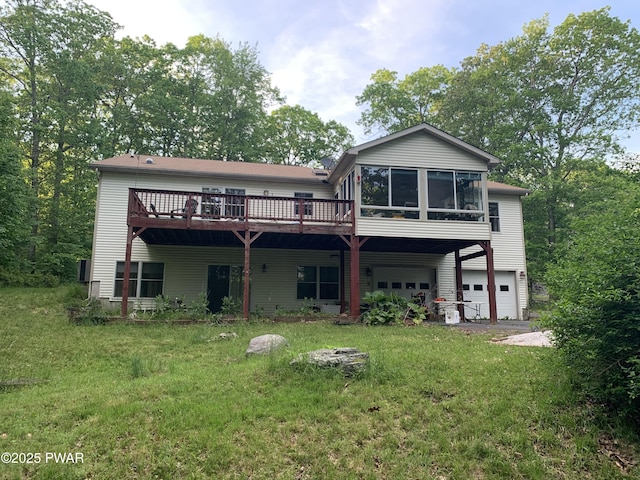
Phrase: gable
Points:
(421, 150)
(420, 146)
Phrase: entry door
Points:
(223, 281)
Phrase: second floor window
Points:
(494, 216)
(454, 195)
(393, 191)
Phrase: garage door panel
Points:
(475, 289)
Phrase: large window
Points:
(454, 195)
(321, 283)
(389, 192)
(146, 279)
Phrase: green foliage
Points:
(19, 278)
(549, 103)
(174, 402)
(231, 306)
(393, 104)
(391, 309)
(596, 286)
(91, 312)
(297, 136)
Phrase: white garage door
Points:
(474, 286)
(404, 281)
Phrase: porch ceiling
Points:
(164, 236)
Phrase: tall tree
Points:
(297, 136)
(14, 232)
(49, 50)
(393, 104)
(548, 103)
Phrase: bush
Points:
(596, 323)
(16, 278)
(390, 309)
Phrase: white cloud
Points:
(166, 21)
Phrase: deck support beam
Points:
(131, 235)
(459, 292)
(247, 240)
(487, 251)
(354, 242)
(343, 302)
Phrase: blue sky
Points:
(321, 53)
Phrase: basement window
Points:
(315, 283)
(146, 279)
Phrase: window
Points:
(146, 279)
(494, 216)
(318, 283)
(394, 191)
(396, 285)
(211, 201)
(477, 288)
(215, 204)
(504, 288)
(410, 285)
(454, 195)
(235, 202)
(346, 187)
(308, 206)
(383, 285)
(424, 286)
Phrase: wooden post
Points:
(247, 240)
(354, 297)
(491, 282)
(127, 273)
(459, 292)
(247, 272)
(343, 302)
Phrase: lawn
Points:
(166, 401)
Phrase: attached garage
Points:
(404, 281)
(474, 286)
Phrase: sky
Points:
(321, 53)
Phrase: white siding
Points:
(110, 233)
(397, 227)
(421, 150)
(508, 247)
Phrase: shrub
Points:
(596, 323)
(389, 309)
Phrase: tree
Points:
(548, 104)
(394, 104)
(50, 51)
(14, 233)
(562, 97)
(595, 284)
(296, 136)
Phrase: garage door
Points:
(474, 286)
(406, 282)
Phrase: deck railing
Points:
(219, 206)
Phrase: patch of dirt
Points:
(530, 339)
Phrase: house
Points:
(411, 213)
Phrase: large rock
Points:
(349, 359)
(265, 344)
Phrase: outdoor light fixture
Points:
(264, 268)
(368, 271)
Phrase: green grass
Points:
(176, 402)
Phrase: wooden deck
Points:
(218, 211)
